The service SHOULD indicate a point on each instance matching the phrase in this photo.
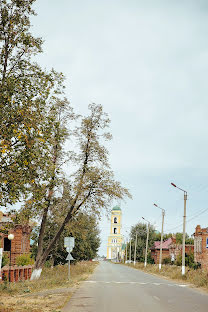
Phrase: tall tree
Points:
(24, 91)
(91, 185)
(83, 227)
(141, 230)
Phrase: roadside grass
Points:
(198, 278)
(29, 295)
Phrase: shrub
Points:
(24, 259)
(5, 260)
(167, 260)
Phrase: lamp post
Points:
(135, 250)
(148, 226)
(184, 227)
(163, 215)
(10, 237)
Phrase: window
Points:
(198, 244)
(7, 244)
(115, 220)
(115, 230)
(114, 240)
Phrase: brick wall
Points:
(16, 273)
(201, 246)
(21, 242)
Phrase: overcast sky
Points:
(146, 62)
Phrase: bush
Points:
(5, 260)
(24, 259)
(167, 260)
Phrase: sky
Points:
(146, 62)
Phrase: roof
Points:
(165, 245)
(116, 208)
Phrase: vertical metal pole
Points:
(135, 250)
(126, 250)
(160, 261)
(184, 234)
(69, 270)
(10, 263)
(130, 251)
(145, 261)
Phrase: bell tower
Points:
(115, 239)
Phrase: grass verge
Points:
(198, 278)
(49, 293)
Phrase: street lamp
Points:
(184, 227)
(10, 237)
(148, 226)
(163, 215)
(135, 250)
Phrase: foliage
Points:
(141, 230)
(34, 119)
(167, 260)
(83, 227)
(24, 259)
(5, 259)
(189, 261)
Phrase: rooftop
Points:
(116, 208)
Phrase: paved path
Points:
(114, 287)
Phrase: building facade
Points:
(169, 250)
(201, 246)
(115, 239)
(21, 242)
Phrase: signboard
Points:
(69, 257)
(69, 242)
(207, 243)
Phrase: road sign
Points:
(69, 242)
(69, 257)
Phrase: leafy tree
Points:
(34, 127)
(83, 227)
(25, 93)
(141, 230)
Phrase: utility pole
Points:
(130, 251)
(163, 215)
(183, 271)
(135, 250)
(126, 249)
(148, 226)
(184, 235)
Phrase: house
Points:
(201, 246)
(21, 242)
(169, 249)
(155, 250)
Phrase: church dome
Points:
(116, 208)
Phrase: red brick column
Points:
(26, 273)
(21, 273)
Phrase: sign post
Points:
(69, 245)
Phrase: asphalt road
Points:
(115, 287)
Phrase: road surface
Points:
(117, 288)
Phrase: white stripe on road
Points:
(138, 283)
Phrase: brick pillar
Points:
(16, 274)
(29, 272)
(12, 275)
(26, 273)
(21, 273)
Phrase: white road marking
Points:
(155, 297)
(138, 283)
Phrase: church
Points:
(115, 239)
